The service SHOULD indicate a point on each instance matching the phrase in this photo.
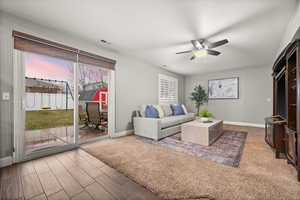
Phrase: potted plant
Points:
(205, 115)
(199, 96)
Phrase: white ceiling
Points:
(154, 30)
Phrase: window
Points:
(168, 89)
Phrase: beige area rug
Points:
(174, 175)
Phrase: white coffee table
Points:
(202, 133)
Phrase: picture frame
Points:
(226, 88)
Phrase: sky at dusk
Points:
(45, 67)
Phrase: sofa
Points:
(158, 128)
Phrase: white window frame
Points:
(169, 79)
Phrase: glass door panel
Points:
(92, 102)
(48, 102)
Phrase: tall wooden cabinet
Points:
(286, 102)
(292, 98)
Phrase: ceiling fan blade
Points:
(184, 52)
(213, 52)
(193, 57)
(197, 44)
(217, 44)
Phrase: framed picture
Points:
(227, 88)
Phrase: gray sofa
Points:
(158, 128)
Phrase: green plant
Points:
(205, 113)
(199, 96)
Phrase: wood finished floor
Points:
(72, 175)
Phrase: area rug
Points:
(226, 150)
(175, 175)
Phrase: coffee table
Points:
(202, 133)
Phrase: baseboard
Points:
(123, 133)
(244, 124)
(6, 161)
(128, 132)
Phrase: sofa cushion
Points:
(176, 119)
(167, 109)
(151, 112)
(189, 117)
(177, 109)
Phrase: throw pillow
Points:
(151, 112)
(177, 109)
(184, 109)
(167, 110)
(159, 111)
(142, 110)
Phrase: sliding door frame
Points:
(19, 153)
(18, 91)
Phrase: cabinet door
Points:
(269, 137)
(291, 145)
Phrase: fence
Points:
(56, 101)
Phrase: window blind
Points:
(168, 89)
(26, 42)
(30, 43)
(92, 59)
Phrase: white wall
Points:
(137, 84)
(255, 90)
(291, 28)
(136, 81)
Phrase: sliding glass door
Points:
(49, 102)
(63, 97)
(63, 104)
(92, 102)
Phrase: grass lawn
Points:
(42, 119)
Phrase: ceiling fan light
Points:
(200, 53)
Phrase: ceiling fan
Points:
(203, 47)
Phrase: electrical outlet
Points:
(5, 96)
